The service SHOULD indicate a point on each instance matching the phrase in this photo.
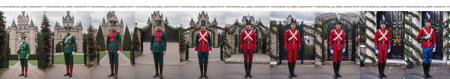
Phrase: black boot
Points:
(160, 71)
(427, 70)
(205, 70)
(201, 70)
(290, 69)
(338, 64)
(379, 70)
(361, 63)
(250, 70)
(382, 70)
(301, 61)
(116, 70)
(246, 69)
(335, 69)
(293, 69)
(112, 71)
(156, 71)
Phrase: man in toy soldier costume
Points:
(23, 54)
(292, 42)
(337, 43)
(158, 47)
(203, 47)
(247, 44)
(114, 46)
(382, 46)
(428, 40)
(69, 46)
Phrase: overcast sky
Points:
(53, 16)
(307, 16)
(178, 18)
(175, 18)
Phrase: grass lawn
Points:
(13, 62)
(77, 59)
(127, 54)
(33, 62)
(102, 54)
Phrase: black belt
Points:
(203, 42)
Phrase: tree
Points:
(91, 46)
(126, 46)
(45, 43)
(100, 39)
(4, 43)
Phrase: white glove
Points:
(196, 52)
(376, 51)
(73, 52)
(331, 51)
(434, 50)
(389, 51)
(343, 50)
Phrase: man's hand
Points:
(389, 49)
(434, 50)
(376, 51)
(331, 51)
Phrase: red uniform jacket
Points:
(337, 39)
(292, 40)
(427, 43)
(203, 42)
(248, 40)
(382, 39)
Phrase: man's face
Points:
(338, 26)
(427, 24)
(158, 27)
(293, 26)
(203, 27)
(383, 26)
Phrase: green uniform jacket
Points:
(69, 44)
(114, 44)
(24, 50)
(158, 45)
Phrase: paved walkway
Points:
(57, 71)
(126, 70)
(171, 57)
(13, 72)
